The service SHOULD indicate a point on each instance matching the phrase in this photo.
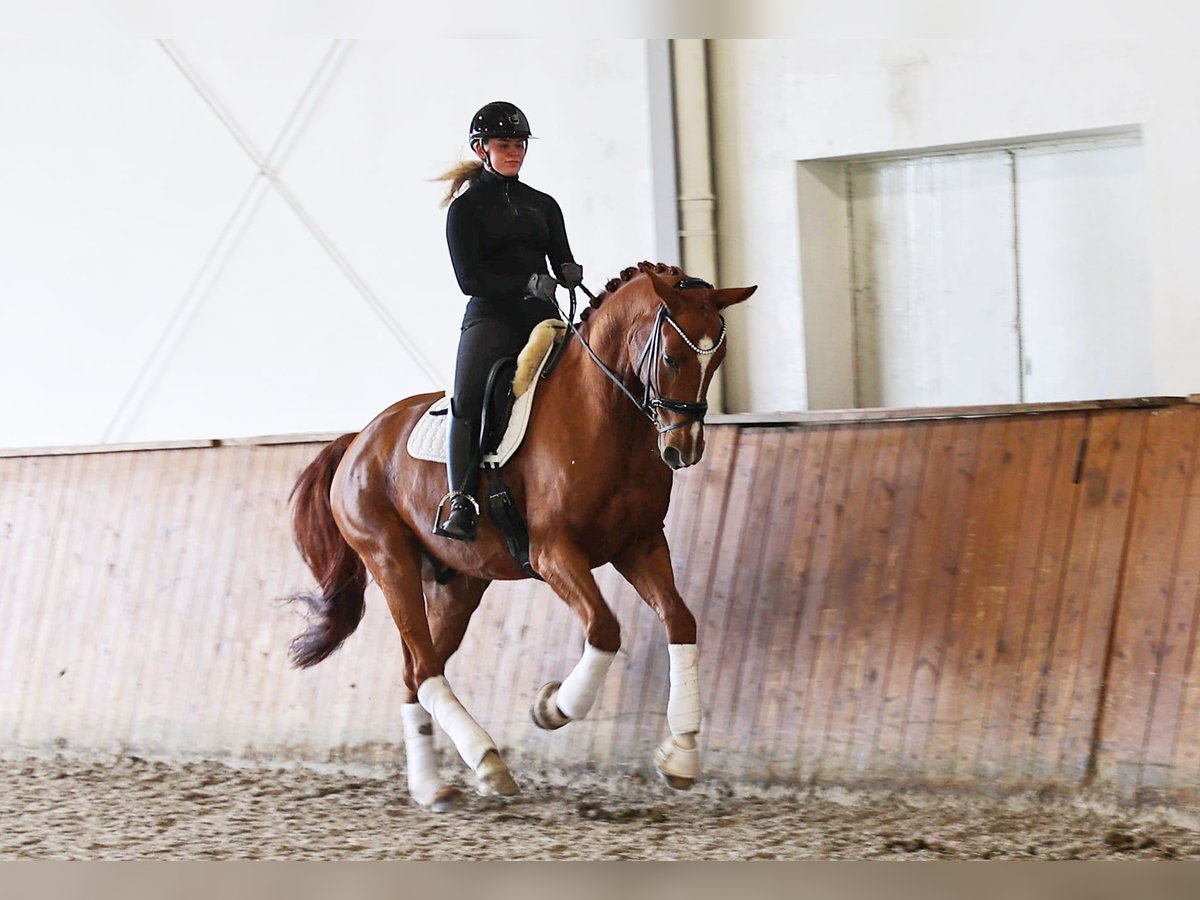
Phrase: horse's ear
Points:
(729, 296)
(665, 289)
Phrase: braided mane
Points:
(626, 275)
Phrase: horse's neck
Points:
(602, 408)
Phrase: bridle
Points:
(652, 399)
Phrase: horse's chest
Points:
(628, 511)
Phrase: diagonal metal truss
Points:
(266, 178)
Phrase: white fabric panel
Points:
(162, 288)
(114, 185)
(1088, 329)
(934, 281)
(282, 343)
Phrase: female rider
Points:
(500, 232)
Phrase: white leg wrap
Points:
(579, 689)
(470, 740)
(683, 702)
(419, 756)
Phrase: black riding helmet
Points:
(499, 119)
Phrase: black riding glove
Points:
(542, 287)
(570, 275)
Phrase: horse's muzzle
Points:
(681, 458)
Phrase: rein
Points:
(652, 399)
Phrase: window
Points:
(1003, 275)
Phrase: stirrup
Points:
(450, 497)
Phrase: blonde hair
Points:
(460, 176)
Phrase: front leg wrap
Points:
(556, 704)
(678, 757)
(579, 689)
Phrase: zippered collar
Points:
(490, 177)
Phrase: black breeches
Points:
(491, 330)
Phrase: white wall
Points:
(776, 102)
(154, 285)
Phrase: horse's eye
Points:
(671, 361)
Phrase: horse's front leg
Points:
(566, 570)
(646, 564)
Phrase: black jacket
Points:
(500, 231)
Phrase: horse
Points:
(593, 477)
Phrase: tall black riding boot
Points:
(462, 467)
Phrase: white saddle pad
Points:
(428, 437)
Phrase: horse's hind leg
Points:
(449, 608)
(420, 758)
(646, 564)
(395, 563)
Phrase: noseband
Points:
(652, 399)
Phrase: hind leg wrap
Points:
(419, 755)
(579, 689)
(469, 738)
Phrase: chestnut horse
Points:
(623, 408)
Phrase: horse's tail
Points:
(338, 607)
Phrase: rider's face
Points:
(505, 154)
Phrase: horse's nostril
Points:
(672, 457)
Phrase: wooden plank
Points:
(879, 636)
(88, 449)
(1015, 717)
(234, 594)
(1009, 544)
(931, 473)
(94, 683)
(44, 652)
(726, 627)
(1141, 654)
(1076, 668)
(835, 600)
(1173, 724)
(868, 608)
(974, 604)
(933, 413)
(954, 461)
(736, 592)
(811, 575)
(774, 612)
(806, 458)
(35, 498)
(189, 587)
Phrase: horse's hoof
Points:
(545, 711)
(677, 761)
(677, 782)
(446, 799)
(494, 779)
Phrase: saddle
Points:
(509, 400)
